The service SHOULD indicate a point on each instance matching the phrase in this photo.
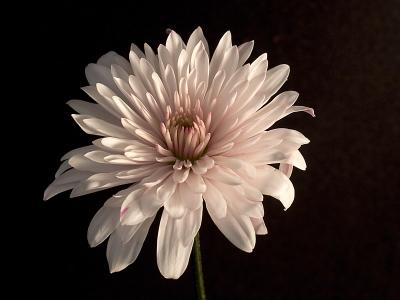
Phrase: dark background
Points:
(340, 238)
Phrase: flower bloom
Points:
(180, 128)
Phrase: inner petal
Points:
(185, 133)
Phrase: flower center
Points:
(186, 134)
(182, 119)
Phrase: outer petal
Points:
(102, 225)
(174, 243)
(215, 201)
(120, 255)
(273, 182)
(238, 229)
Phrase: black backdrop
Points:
(340, 238)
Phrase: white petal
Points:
(215, 201)
(113, 144)
(259, 226)
(97, 182)
(63, 167)
(111, 58)
(96, 73)
(245, 51)
(92, 109)
(95, 126)
(102, 225)
(126, 232)
(196, 183)
(297, 160)
(201, 63)
(274, 80)
(193, 220)
(294, 109)
(225, 175)
(120, 255)
(224, 44)
(166, 190)
(194, 38)
(238, 229)
(181, 175)
(66, 181)
(286, 169)
(53, 190)
(83, 163)
(273, 182)
(172, 254)
(175, 205)
(189, 198)
(105, 102)
(81, 150)
(275, 110)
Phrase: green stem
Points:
(201, 291)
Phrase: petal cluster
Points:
(180, 128)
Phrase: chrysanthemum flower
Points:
(181, 130)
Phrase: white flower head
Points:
(181, 129)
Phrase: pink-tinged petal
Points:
(224, 175)
(297, 160)
(181, 175)
(190, 199)
(275, 110)
(137, 173)
(259, 226)
(215, 201)
(157, 176)
(175, 206)
(172, 253)
(149, 202)
(192, 221)
(274, 80)
(305, 109)
(120, 254)
(286, 169)
(238, 201)
(273, 182)
(130, 211)
(238, 229)
(196, 183)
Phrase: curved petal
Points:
(273, 182)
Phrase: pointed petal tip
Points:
(46, 196)
(92, 244)
(248, 249)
